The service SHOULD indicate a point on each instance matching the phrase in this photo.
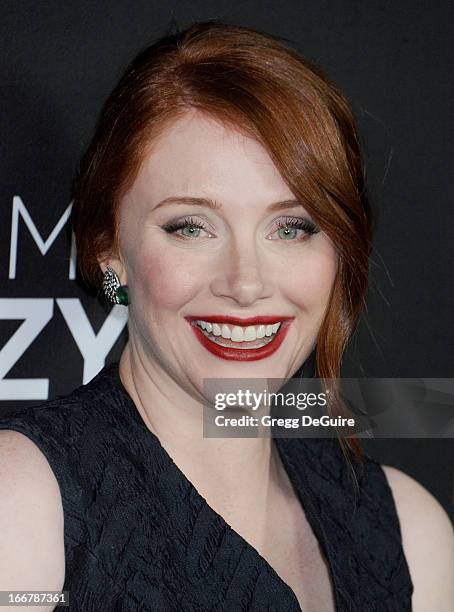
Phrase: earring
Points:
(113, 290)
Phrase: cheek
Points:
(311, 282)
(159, 277)
(165, 280)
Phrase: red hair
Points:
(258, 84)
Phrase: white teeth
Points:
(261, 331)
(236, 333)
(226, 333)
(216, 330)
(250, 333)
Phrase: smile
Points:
(240, 339)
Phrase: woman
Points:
(222, 201)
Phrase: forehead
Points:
(198, 155)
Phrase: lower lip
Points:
(233, 354)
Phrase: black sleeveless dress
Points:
(138, 535)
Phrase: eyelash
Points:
(299, 223)
(289, 222)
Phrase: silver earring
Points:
(113, 290)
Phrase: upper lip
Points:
(264, 320)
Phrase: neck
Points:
(232, 474)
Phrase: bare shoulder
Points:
(32, 555)
(428, 542)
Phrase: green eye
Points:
(287, 233)
(191, 231)
(295, 229)
(185, 228)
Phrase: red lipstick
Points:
(232, 353)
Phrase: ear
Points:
(116, 264)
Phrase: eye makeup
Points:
(300, 223)
(173, 227)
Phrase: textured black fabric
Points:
(138, 536)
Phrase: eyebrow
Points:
(209, 203)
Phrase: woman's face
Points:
(242, 259)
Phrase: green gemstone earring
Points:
(114, 291)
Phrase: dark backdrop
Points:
(58, 63)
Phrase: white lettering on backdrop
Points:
(20, 210)
(36, 313)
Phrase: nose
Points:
(241, 275)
